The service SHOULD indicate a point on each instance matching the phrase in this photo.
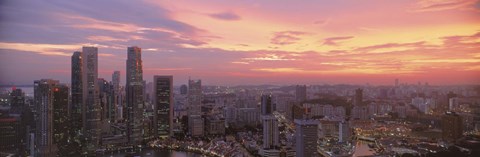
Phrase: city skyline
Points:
(248, 42)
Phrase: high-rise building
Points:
(267, 106)
(163, 105)
(90, 97)
(358, 99)
(135, 95)
(44, 100)
(396, 82)
(452, 126)
(60, 119)
(76, 107)
(270, 132)
(116, 81)
(195, 97)
(117, 95)
(300, 93)
(306, 135)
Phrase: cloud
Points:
(442, 5)
(227, 16)
(286, 37)
(333, 41)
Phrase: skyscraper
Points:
(135, 95)
(344, 131)
(117, 95)
(195, 97)
(76, 87)
(91, 107)
(300, 93)
(44, 99)
(358, 99)
(163, 105)
(270, 132)
(60, 118)
(267, 106)
(306, 138)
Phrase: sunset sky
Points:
(249, 41)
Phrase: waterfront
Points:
(155, 152)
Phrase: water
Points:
(148, 152)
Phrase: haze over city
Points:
(248, 42)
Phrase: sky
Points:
(247, 42)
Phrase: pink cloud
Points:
(334, 41)
(227, 16)
(286, 37)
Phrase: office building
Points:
(90, 97)
(135, 95)
(306, 138)
(266, 104)
(270, 132)
(44, 100)
(76, 107)
(196, 125)
(194, 97)
(60, 118)
(163, 105)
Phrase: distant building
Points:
(135, 95)
(452, 125)
(44, 100)
(300, 93)
(248, 116)
(183, 89)
(60, 118)
(163, 105)
(306, 138)
(358, 99)
(230, 114)
(194, 97)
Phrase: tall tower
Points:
(306, 138)
(267, 106)
(117, 95)
(163, 105)
(60, 119)
(43, 99)
(135, 95)
(358, 97)
(270, 132)
(300, 93)
(90, 94)
(195, 97)
(76, 105)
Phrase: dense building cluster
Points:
(92, 116)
